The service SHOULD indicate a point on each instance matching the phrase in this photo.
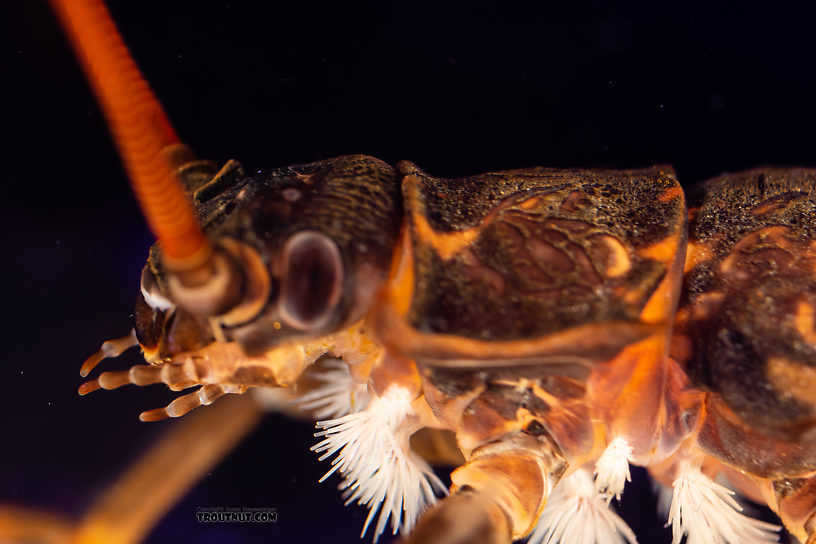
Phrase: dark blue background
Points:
(459, 89)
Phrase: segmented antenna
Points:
(140, 129)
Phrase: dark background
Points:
(459, 88)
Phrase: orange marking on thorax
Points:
(697, 253)
(670, 194)
(663, 251)
(617, 262)
(449, 244)
(794, 378)
(530, 203)
(805, 321)
(661, 303)
(446, 244)
(773, 236)
(401, 278)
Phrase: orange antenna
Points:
(140, 129)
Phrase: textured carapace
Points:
(535, 386)
(534, 289)
(747, 311)
(530, 381)
(349, 203)
(528, 314)
(745, 332)
(521, 254)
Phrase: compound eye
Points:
(312, 280)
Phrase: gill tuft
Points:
(375, 460)
(576, 513)
(612, 469)
(708, 513)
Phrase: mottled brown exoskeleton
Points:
(746, 335)
(558, 324)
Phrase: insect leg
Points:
(139, 375)
(175, 376)
(796, 504)
(23, 524)
(127, 511)
(204, 396)
(497, 495)
(467, 516)
(109, 349)
(133, 505)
